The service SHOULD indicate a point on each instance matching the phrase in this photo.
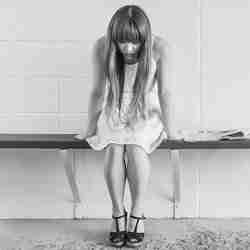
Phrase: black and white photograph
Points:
(123, 125)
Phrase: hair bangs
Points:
(127, 31)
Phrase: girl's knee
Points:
(115, 148)
(134, 149)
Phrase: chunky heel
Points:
(135, 239)
(118, 238)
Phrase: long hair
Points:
(129, 23)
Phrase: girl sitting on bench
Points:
(128, 113)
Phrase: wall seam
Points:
(58, 105)
(201, 103)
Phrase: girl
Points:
(128, 113)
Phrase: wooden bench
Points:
(66, 143)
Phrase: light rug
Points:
(199, 237)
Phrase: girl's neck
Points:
(131, 61)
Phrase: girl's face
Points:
(129, 50)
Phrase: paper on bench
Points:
(213, 135)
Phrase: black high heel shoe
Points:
(118, 238)
(135, 239)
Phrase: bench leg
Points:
(68, 156)
(175, 164)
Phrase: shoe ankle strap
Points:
(137, 217)
(118, 217)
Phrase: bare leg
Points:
(138, 171)
(115, 176)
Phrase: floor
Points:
(97, 229)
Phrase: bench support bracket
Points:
(175, 164)
(68, 156)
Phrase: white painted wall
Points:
(45, 81)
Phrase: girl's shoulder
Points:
(159, 47)
(100, 47)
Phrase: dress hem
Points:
(147, 149)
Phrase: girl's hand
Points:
(79, 137)
(174, 136)
(85, 134)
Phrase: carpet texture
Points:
(199, 237)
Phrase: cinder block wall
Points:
(45, 81)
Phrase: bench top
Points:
(67, 141)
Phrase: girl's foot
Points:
(135, 233)
(118, 231)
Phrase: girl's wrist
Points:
(172, 135)
(90, 131)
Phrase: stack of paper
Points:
(213, 135)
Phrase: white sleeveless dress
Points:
(147, 133)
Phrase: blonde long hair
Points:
(129, 23)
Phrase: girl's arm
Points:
(97, 93)
(164, 89)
